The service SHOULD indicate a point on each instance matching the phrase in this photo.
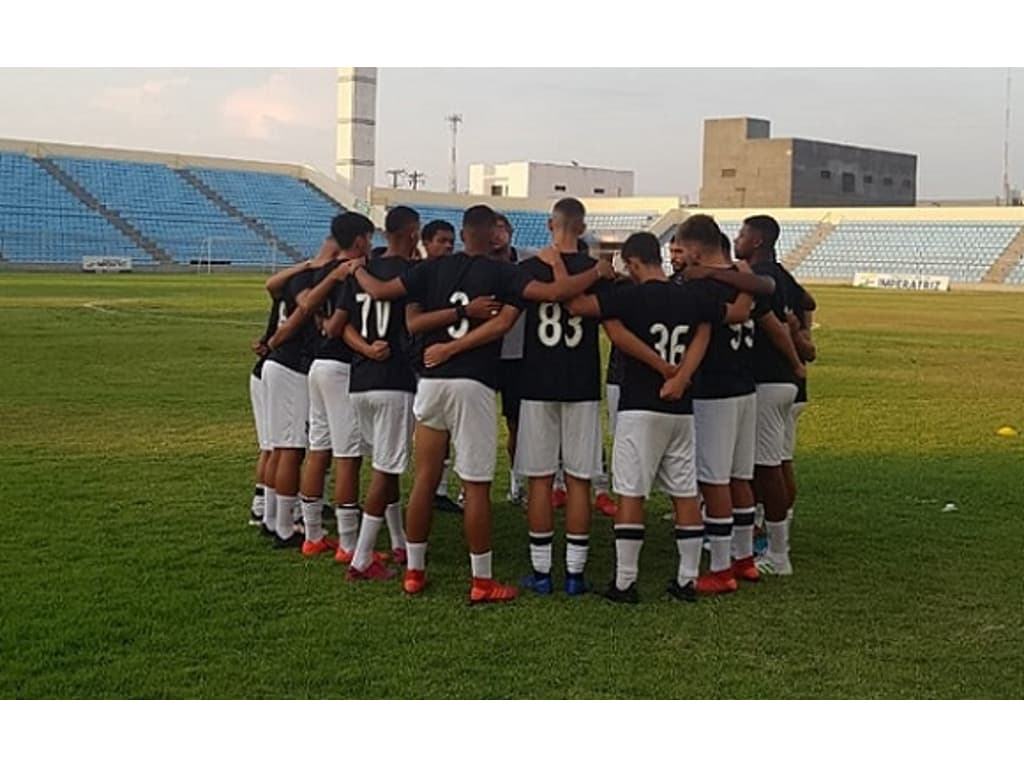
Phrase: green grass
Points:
(128, 571)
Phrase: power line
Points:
(416, 178)
(395, 174)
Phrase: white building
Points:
(540, 180)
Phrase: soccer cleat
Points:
(398, 556)
(344, 556)
(292, 542)
(575, 584)
(685, 593)
(604, 504)
(558, 498)
(770, 565)
(745, 569)
(375, 571)
(414, 581)
(444, 504)
(539, 583)
(268, 532)
(717, 583)
(491, 591)
(627, 595)
(515, 497)
(255, 519)
(325, 544)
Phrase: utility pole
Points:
(395, 174)
(454, 120)
(416, 178)
(1006, 145)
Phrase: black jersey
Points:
(297, 352)
(456, 279)
(797, 293)
(376, 320)
(272, 316)
(330, 347)
(664, 316)
(770, 365)
(561, 353)
(728, 368)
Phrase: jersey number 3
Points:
(670, 345)
(549, 326)
(460, 328)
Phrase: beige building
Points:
(547, 180)
(744, 167)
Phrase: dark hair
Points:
(380, 250)
(437, 225)
(398, 218)
(501, 218)
(766, 227)
(570, 209)
(644, 247)
(478, 217)
(700, 228)
(726, 245)
(346, 227)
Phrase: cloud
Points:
(147, 100)
(255, 112)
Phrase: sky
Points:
(647, 120)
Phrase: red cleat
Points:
(604, 504)
(374, 572)
(746, 569)
(491, 591)
(398, 556)
(558, 498)
(717, 583)
(345, 557)
(313, 548)
(414, 581)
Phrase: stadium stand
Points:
(620, 222)
(792, 233)
(530, 228)
(1016, 276)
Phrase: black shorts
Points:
(509, 372)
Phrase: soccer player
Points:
(799, 321)
(382, 387)
(290, 354)
(724, 403)
(259, 413)
(455, 301)
(777, 367)
(560, 414)
(438, 239)
(663, 331)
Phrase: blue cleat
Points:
(540, 583)
(575, 584)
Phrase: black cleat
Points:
(292, 542)
(444, 504)
(268, 532)
(686, 593)
(627, 595)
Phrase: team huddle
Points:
(397, 355)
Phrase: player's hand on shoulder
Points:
(483, 307)
(347, 267)
(743, 266)
(605, 269)
(380, 351)
(436, 354)
(549, 255)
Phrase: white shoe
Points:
(769, 565)
(515, 496)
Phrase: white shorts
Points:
(654, 448)
(385, 422)
(725, 430)
(287, 405)
(789, 448)
(612, 392)
(468, 411)
(774, 402)
(332, 421)
(259, 412)
(549, 430)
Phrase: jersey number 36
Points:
(670, 345)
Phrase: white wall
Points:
(526, 179)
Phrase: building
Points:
(743, 167)
(544, 180)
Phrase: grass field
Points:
(128, 571)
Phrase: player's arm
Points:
(742, 279)
(807, 302)
(318, 294)
(799, 329)
(739, 310)
(677, 384)
(585, 305)
(275, 283)
(480, 308)
(379, 351)
(291, 325)
(629, 344)
(779, 336)
(485, 333)
(380, 290)
(564, 286)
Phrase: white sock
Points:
(629, 540)
(719, 532)
(393, 514)
(689, 542)
(367, 540)
(514, 488)
(743, 533)
(285, 521)
(789, 526)
(442, 486)
(480, 565)
(759, 516)
(270, 510)
(348, 525)
(259, 502)
(540, 550)
(778, 539)
(559, 482)
(312, 517)
(416, 555)
(577, 546)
